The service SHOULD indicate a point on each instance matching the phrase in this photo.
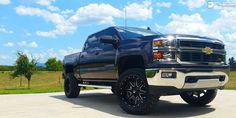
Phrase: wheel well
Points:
(68, 69)
(127, 62)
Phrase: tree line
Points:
(52, 64)
(26, 67)
(232, 63)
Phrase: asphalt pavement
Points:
(103, 104)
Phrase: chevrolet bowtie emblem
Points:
(207, 50)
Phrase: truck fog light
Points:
(158, 55)
(222, 78)
(168, 75)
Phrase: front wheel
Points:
(199, 98)
(133, 92)
(71, 87)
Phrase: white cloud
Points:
(193, 24)
(5, 2)
(221, 28)
(139, 11)
(33, 44)
(48, 16)
(95, 14)
(53, 8)
(66, 13)
(164, 4)
(4, 30)
(92, 14)
(226, 22)
(158, 11)
(9, 44)
(45, 2)
(43, 56)
(48, 3)
(69, 50)
(192, 4)
(62, 26)
(28, 44)
(231, 37)
(3, 57)
(84, 15)
(22, 43)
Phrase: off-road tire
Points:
(199, 98)
(71, 87)
(133, 92)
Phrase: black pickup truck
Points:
(140, 65)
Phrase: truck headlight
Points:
(164, 55)
(165, 41)
(164, 48)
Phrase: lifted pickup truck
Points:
(140, 65)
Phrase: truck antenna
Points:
(125, 18)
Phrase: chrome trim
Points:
(200, 39)
(215, 51)
(163, 48)
(94, 86)
(179, 81)
(194, 49)
(171, 50)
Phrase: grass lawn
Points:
(232, 81)
(43, 82)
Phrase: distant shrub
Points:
(6, 68)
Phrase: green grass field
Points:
(232, 81)
(43, 82)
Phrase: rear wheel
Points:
(71, 87)
(199, 98)
(133, 92)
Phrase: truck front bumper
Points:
(186, 77)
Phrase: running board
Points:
(94, 86)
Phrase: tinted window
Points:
(107, 32)
(91, 42)
(129, 33)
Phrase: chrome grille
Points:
(197, 44)
(191, 51)
(200, 57)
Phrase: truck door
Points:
(106, 55)
(88, 59)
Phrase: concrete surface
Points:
(102, 104)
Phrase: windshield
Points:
(129, 32)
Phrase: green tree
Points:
(24, 67)
(53, 64)
(231, 61)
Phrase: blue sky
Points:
(54, 28)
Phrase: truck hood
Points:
(70, 59)
(193, 37)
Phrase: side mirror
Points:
(107, 39)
